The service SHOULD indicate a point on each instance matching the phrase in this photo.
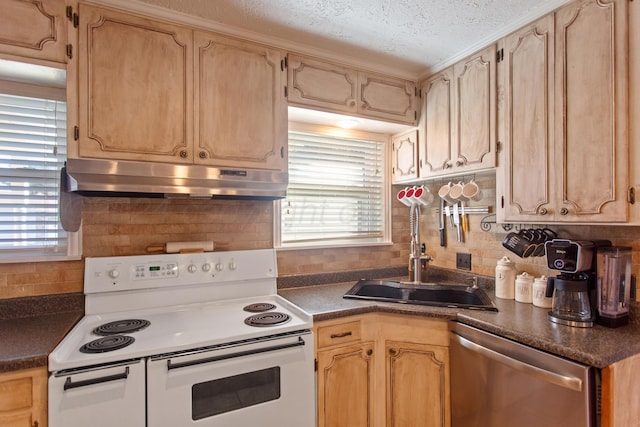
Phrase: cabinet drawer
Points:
(339, 334)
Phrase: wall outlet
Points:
(463, 261)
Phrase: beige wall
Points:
(122, 226)
(486, 247)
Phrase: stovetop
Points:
(183, 313)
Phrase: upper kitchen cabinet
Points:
(321, 85)
(435, 124)
(240, 104)
(404, 156)
(34, 29)
(135, 88)
(565, 117)
(527, 77)
(458, 117)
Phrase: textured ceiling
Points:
(416, 36)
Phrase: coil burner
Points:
(104, 344)
(270, 318)
(259, 307)
(118, 327)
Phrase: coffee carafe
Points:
(573, 290)
(571, 304)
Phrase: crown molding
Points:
(494, 37)
(181, 18)
(383, 65)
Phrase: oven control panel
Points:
(107, 274)
(154, 271)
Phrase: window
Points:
(32, 152)
(337, 190)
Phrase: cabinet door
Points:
(241, 116)
(591, 111)
(23, 398)
(345, 386)
(135, 88)
(405, 156)
(320, 84)
(435, 124)
(527, 75)
(387, 98)
(417, 370)
(474, 133)
(34, 29)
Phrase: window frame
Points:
(331, 131)
(74, 239)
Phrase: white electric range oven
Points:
(184, 340)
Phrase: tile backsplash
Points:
(125, 226)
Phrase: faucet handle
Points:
(474, 282)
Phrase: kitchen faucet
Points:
(416, 254)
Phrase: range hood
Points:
(97, 177)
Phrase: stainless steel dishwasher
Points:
(496, 382)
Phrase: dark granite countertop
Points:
(30, 328)
(524, 323)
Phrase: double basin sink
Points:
(434, 294)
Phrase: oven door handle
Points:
(68, 384)
(178, 365)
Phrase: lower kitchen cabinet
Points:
(373, 367)
(345, 392)
(23, 398)
(417, 384)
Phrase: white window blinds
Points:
(32, 152)
(335, 193)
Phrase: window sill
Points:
(16, 259)
(335, 245)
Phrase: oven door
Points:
(269, 382)
(110, 395)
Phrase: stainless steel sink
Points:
(435, 294)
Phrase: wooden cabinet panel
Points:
(565, 80)
(135, 88)
(405, 156)
(387, 98)
(322, 84)
(474, 133)
(34, 29)
(241, 117)
(417, 370)
(435, 124)
(23, 398)
(458, 117)
(528, 81)
(591, 111)
(374, 381)
(345, 386)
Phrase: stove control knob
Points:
(206, 267)
(219, 266)
(192, 268)
(233, 265)
(114, 274)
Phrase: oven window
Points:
(240, 391)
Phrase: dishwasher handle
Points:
(571, 383)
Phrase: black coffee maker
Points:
(574, 289)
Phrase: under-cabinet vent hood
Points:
(95, 177)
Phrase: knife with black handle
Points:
(443, 241)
